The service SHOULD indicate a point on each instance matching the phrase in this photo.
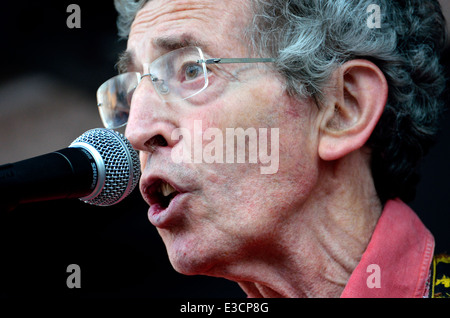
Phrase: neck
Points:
(318, 248)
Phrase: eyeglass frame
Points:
(203, 62)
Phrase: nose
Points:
(151, 121)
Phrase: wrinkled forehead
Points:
(218, 27)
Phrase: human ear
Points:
(352, 108)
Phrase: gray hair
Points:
(311, 38)
(127, 10)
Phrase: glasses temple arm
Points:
(236, 60)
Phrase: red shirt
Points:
(397, 260)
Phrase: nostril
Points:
(156, 141)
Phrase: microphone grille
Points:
(121, 165)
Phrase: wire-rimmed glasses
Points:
(177, 75)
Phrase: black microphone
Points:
(100, 167)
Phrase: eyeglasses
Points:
(176, 76)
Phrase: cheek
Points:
(243, 183)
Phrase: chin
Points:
(195, 257)
(190, 263)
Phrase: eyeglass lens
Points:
(176, 75)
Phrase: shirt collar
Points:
(402, 247)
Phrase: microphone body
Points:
(100, 167)
(67, 173)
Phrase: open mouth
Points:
(161, 193)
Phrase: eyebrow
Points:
(126, 60)
(171, 43)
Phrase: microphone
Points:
(100, 168)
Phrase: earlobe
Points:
(352, 108)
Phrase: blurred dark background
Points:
(48, 80)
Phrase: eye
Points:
(192, 71)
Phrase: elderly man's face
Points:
(226, 212)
